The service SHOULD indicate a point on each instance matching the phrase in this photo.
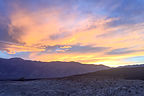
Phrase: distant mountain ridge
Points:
(131, 66)
(15, 68)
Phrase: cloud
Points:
(63, 47)
(4, 36)
(85, 49)
(122, 51)
(12, 48)
(129, 11)
(73, 49)
(46, 26)
(89, 31)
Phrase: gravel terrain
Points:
(73, 87)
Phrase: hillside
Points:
(16, 68)
(132, 73)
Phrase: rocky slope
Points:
(73, 87)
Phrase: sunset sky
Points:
(109, 32)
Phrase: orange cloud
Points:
(12, 48)
(39, 29)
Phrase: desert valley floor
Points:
(79, 86)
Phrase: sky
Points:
(109, 32)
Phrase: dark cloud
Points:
(122, 51)
(4, 36)
(4, 30)
(119, 51)
(16, 33)
(86, 49)
(74, 49)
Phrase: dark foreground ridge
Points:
(131, 73)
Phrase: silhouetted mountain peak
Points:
(16, 58)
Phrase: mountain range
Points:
(16, 68)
